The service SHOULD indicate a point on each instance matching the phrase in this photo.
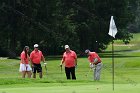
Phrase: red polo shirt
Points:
(23, 57)
(36, 56)
(69, 58)
(92, 56)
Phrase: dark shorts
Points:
(37, 67)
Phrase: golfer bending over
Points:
(36, 58)
(94, 60)
(24, 64)
(70, 60)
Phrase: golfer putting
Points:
(95, 64)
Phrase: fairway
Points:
(92, 88)
(69, 46)
(126, 78)
(127, 68)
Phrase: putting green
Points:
(103, 88)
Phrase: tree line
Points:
(81, 24)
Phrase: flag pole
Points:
(113, 64)
(112, 32)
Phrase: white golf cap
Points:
(36, 45)
(66, 46)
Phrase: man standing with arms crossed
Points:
(70, 60)
(94, 60)
(36, 57)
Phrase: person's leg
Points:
(40, 74)
(34, 75)
(97, 71)
(22, 69)
(29, 74)
(23, 74)
(73, 73)
(67, 71)
(39, 70)
(34, 72)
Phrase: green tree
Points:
(92, 18)
(53, 23)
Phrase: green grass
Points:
(120, 46)
(126, 77)
(127, 67)
(92, 88)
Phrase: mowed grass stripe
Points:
(99, 88)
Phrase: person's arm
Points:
(31, 59)
(62, 61)
(75, 59)
(90, 60)
(91, 64)
(95, 60)
(42, 58)
(22, 58)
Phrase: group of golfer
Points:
(69, 60)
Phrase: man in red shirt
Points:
(36, 57)
(94, 60)
(70, 60)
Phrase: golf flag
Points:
(112, 28)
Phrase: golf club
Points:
(46, 68)
(61, 68)
(88, 72)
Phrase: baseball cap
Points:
(66, 46)
(36, 45)
(87, 50)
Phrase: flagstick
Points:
(112, 32)
(113, 64)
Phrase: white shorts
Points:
(24, 67)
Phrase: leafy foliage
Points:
(53, 23)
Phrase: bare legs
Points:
(26, 72)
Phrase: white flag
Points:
(112, 28)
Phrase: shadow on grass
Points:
(117, 54)
(106, 54)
